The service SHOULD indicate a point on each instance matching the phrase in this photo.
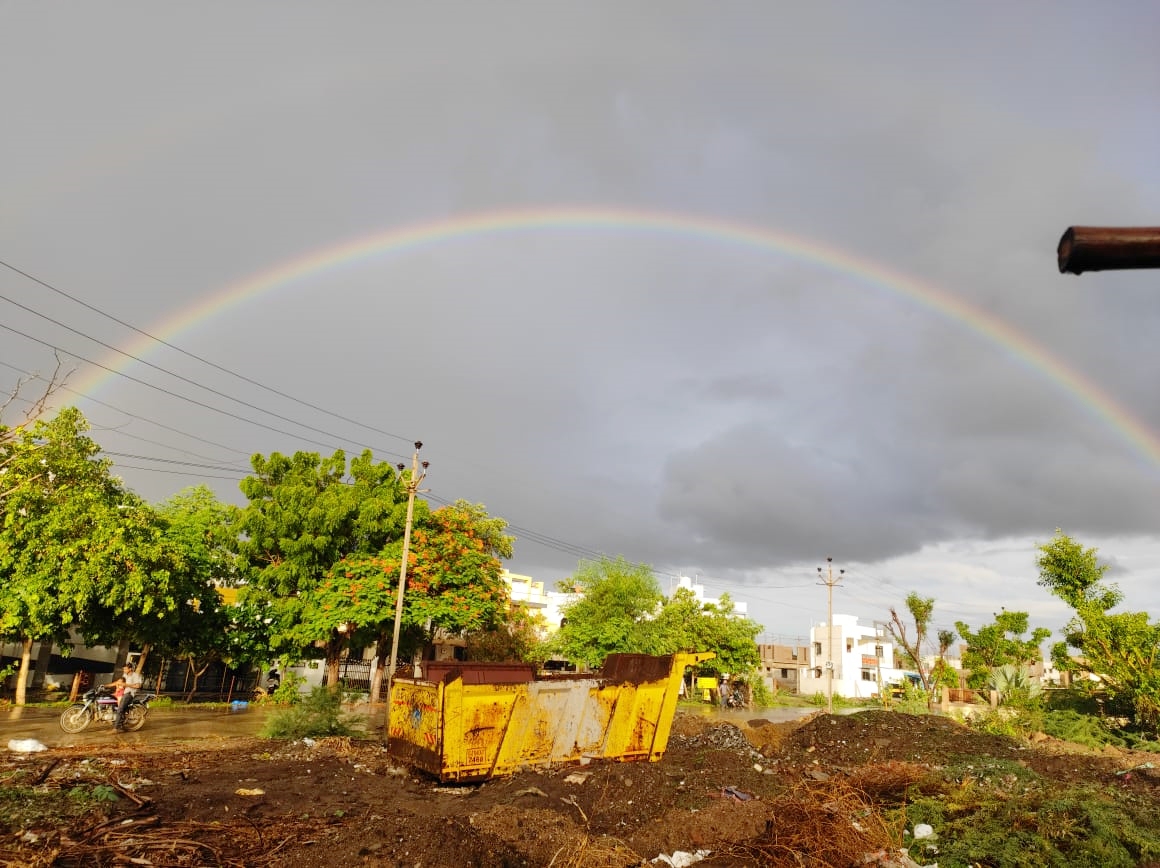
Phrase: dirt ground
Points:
(749, 794)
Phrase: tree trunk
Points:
(196, 673)
(334, 649)
(122, 656)
(382, 655)
(43, 658)
(22, 674)
(145, 649)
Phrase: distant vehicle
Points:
(100, 704)
(898, 688)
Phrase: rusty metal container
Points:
(473, 721)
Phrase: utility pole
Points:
(412, 482)
(827, 579)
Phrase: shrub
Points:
(319, 714)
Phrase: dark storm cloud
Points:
(678, 400)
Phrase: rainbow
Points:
(403, 239)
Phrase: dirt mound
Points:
(876, 736)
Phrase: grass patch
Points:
(25, 807)
(1040, 826)
(319, 714)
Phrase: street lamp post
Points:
(418, 474)
(827, 579)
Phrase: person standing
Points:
(130, 683)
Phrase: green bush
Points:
(1038, 826)
(288, 691)
(1011, 722)
(914, 699)
(319, 714)
(1085, 729)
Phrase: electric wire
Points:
(180, 377)
(122, 410)
(196, 357)
(120, 430)
(172, 394)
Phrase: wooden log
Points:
(1108, 248)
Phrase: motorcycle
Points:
(100, 704)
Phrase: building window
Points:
(878, 651)
(785, 673)
(849, 645)
(792, 651)
(818, 672)
(817, 647)
(867, 675)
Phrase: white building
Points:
(699, 592)
(532, 594)
(863, 659)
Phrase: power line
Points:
(171, 393)
(177, 472)
(122, 410)
(176, 376)
(198, 358)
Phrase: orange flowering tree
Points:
(454, 586)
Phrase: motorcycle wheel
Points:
(76, 718)
(134, 718)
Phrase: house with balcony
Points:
(862, 659)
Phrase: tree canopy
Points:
(62, 535)
(1000, 643)
(620, 608)
(1122, 648)
(303, 519)
(921, 611)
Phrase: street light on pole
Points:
(828, 580)
(418, 474)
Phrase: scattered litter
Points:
(571, 800)
(1124, 772)
(757, 768)
(454, 791)
(681, 858)
(923, 830)
(737, 794)
(25, 745)
(244, 791)
(309, 742)
(577, 777)
(884, 859)
(531, 791)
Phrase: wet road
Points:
(163, 724)
(185, 723)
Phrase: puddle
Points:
(164, 724)
(777, 714)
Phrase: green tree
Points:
(204, 627)
(612, 613)
(515, 638)
(454, 585)
(921, 610)
(59, 522)
(1000, 643)
(685, 623)
(303, 519)
(1122, 648)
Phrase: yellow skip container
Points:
(473, 721)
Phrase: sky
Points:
(725, 288)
